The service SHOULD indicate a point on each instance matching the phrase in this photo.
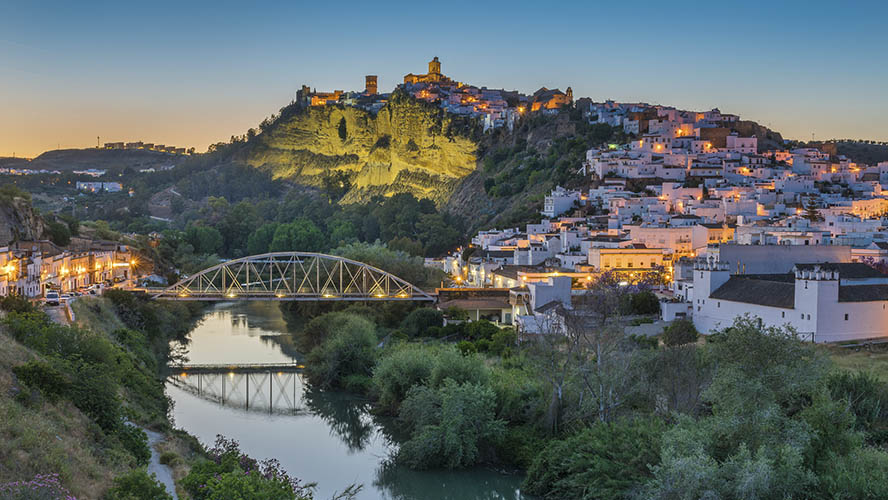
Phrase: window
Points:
(846, 316)
(809, 317)
(719, 304)
(806, 285)
(782, 314)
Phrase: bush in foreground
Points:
(137, 485)
(602, 462)
(232, 475)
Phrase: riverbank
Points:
(326, 436)
(66, 393)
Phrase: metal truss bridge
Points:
(269, 388)
(293, 276)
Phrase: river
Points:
(327, 438)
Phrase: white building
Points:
(559, 201)
(826, 302)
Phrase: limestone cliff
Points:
(407, 146)
(18, 221)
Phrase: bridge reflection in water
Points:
(269, 388)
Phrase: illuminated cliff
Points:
(408, 146)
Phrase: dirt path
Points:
(164, 474)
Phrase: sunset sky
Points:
(190, 73)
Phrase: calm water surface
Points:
(328, 438)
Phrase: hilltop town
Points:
(720, 225)
(493, 107)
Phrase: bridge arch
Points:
(293, 276)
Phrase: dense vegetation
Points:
(111, 375)
(305, 223)
(592, 412)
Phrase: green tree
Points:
(681, 331)
(452, 425)
(811, 212)
(204, 239)
(59, 233)
(347, 357)
(301, 235)
(236, 227)
(259, 240)
(420, 320)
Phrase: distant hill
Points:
(104, 159)
(858, 151)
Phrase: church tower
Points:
(434, 66)
(570, 94)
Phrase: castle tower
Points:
(434, 66)
(370, 84)
(570, 94)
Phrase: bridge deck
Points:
(235, 368)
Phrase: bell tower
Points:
(434, 66)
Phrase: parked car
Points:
(52, 298)
(65, 297)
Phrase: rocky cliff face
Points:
(406, 147)
(18, 221)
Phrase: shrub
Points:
(136, 442)
(325, 326)
(466, 347)
(351, 350)
(51, 382)
(505, 337)
(483, 345)
(449, 363)
(16, 303)
(520, 445)
(644, 342)
(170, 458)
(232, 475)
(520, 395)
(137, 485)
(602, 462)
(482, 329)
(861, 474)
(645, 303)
(451, 426)
(400, 369)
(94, 392)
(680, 332)
(867, 398)
(420, 320)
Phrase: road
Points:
(58, 314)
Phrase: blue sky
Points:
(193, 73)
